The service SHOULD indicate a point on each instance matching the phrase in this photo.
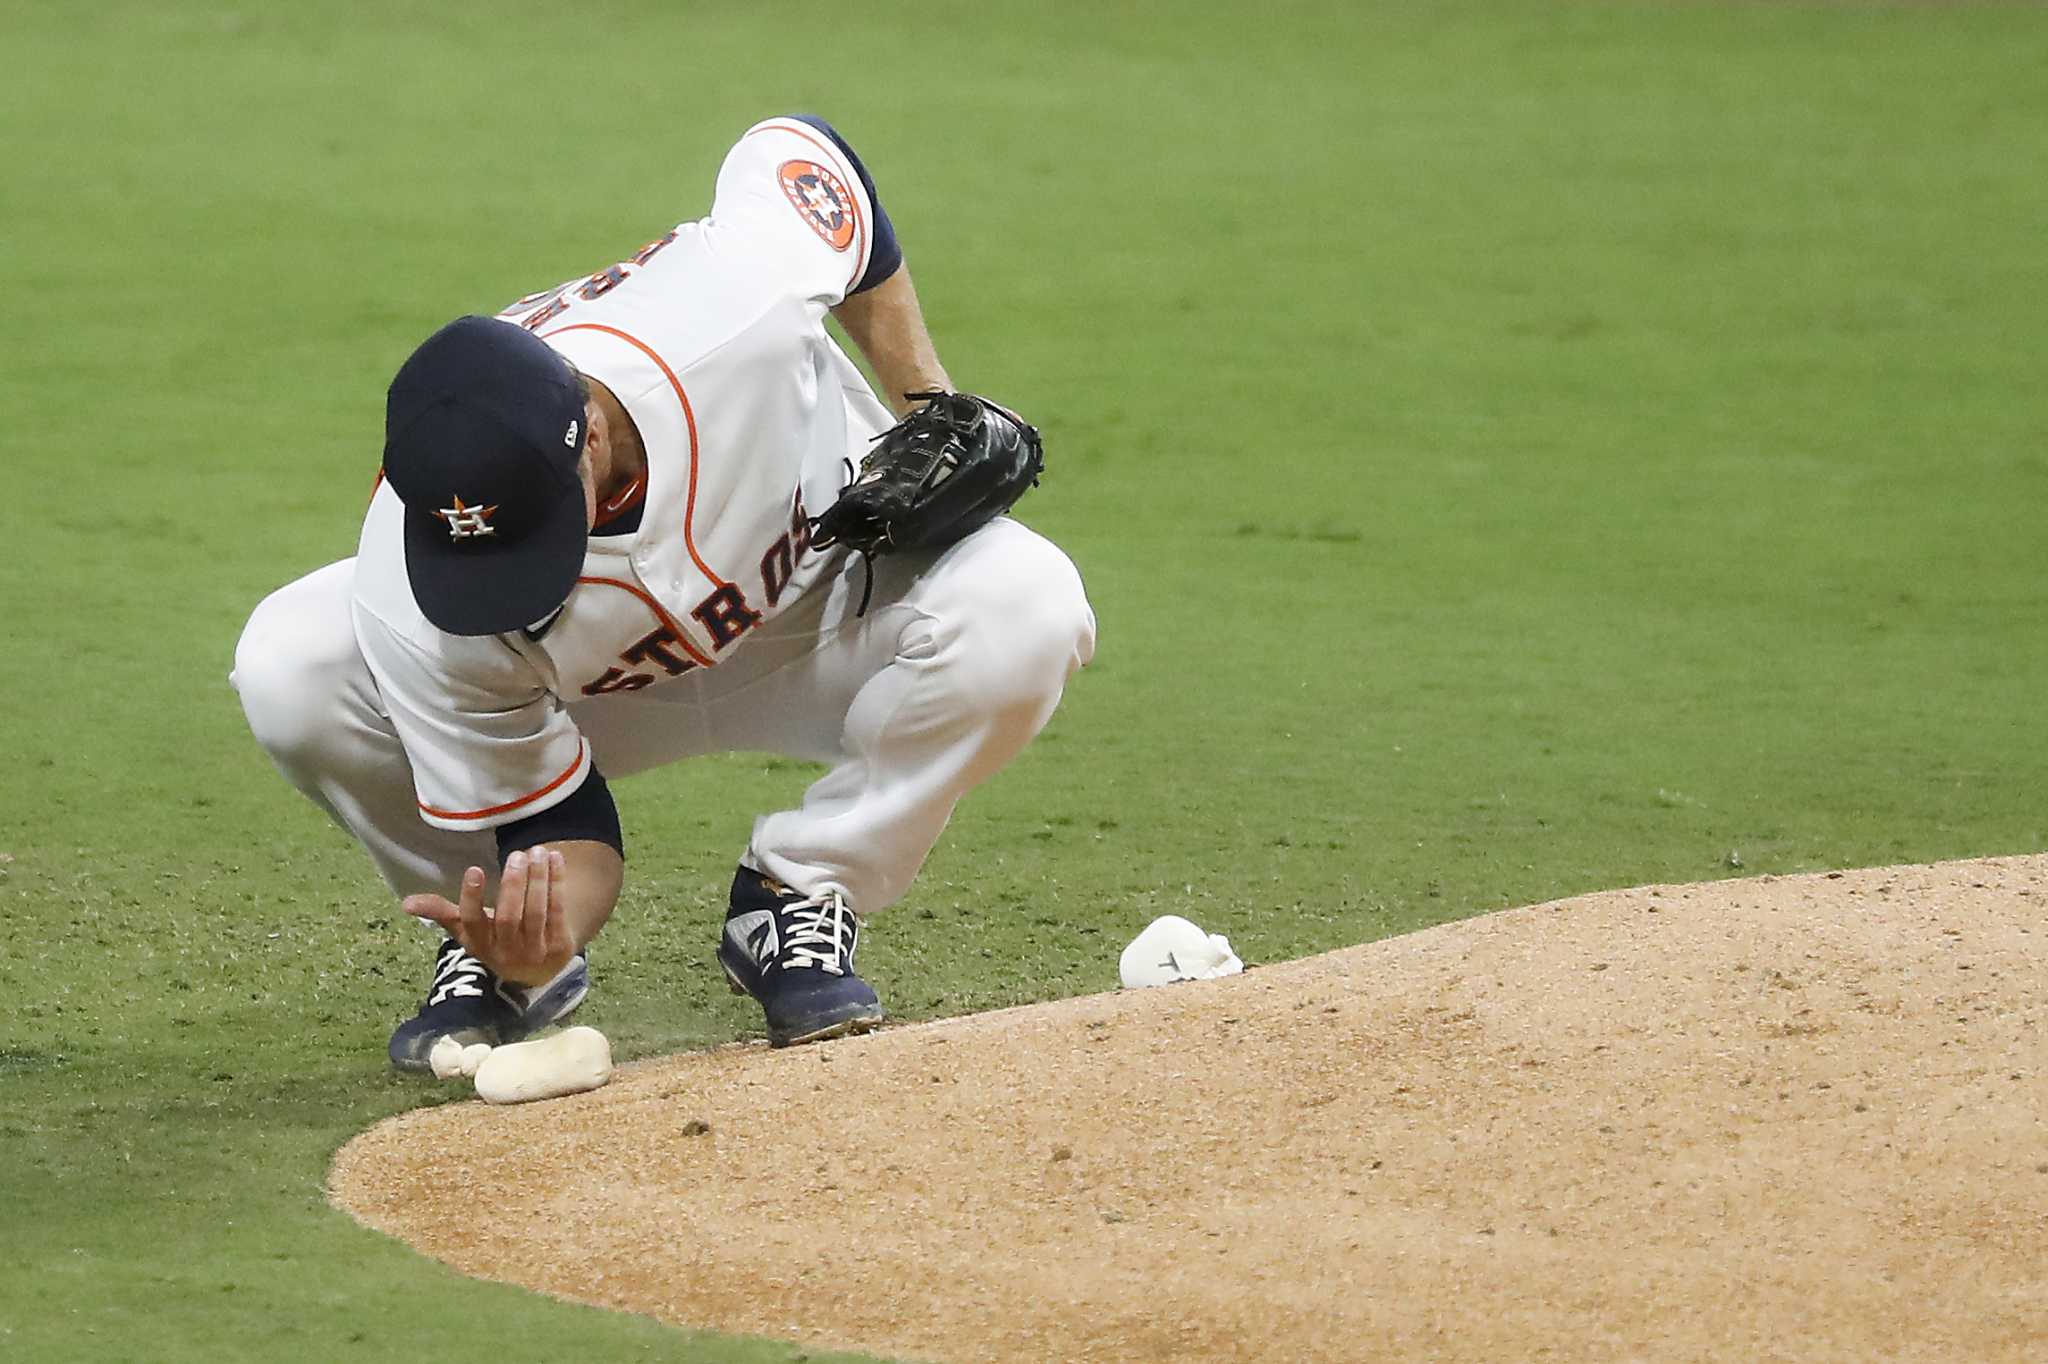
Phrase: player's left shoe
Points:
(467, 1002)
(794, 954)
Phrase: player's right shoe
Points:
(467, 1002)
(794, 954)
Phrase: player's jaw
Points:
(589, 477)
(595, 465)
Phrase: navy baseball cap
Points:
(483, 432)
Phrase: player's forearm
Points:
(584, 829)
(596, 874)
(888, 326)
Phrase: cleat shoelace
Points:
(457, 975)
(819, 933)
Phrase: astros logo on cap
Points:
(468, 523)
(820, 199)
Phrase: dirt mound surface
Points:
(1790, 1118)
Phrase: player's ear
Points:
(591, 419)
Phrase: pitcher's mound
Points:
(1792, 1118)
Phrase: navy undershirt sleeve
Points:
(589, 815)
(887, 254)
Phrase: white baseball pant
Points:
(957, 663)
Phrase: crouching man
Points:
(604, 540)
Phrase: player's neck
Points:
(629, 456)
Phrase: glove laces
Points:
(867, 560)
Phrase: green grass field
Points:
(1513, 449)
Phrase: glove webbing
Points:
(867, 560)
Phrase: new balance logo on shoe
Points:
(754, 933)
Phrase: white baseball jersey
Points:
(713, 338)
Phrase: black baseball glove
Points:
(943, 472)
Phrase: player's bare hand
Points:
(525, 938)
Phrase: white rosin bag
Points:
(1170, 949)
(569, 1062)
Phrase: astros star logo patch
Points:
(821, 199)
(468, 523)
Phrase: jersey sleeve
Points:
(487, 741)
(884, 253)
(794, 192)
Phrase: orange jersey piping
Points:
(670, 623)
(582, 750)
(689, 417)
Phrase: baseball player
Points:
(612, 531)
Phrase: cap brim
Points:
(483, 587)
